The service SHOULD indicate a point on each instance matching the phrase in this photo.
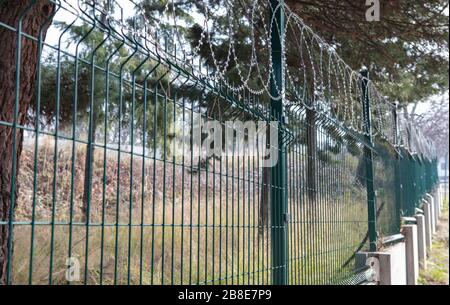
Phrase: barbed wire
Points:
(315, 76)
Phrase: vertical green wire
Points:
(213, 255)
(328, 210)
(105, 151)
(206, 209)
(244, 226)
(74, 141)
(132, 140)
(55, 158)
(164, 189)
(318, 191)
(266, 238)
(35, 157)
(199, 173)
(105, 173)
(173, 189)
(260, 229)
(232, 213)
(119, 154)
(292, 275)
(238, 207)
(332, 214)
(298, 203)
(143, 176)
(90, 151)
(226, 212)
(155, 108)
(295, 211)
(220, 212)
(191, 194)
(250, 226)
(183, 173)
(130, 210)
(255, 251)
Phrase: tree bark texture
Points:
(34, 22)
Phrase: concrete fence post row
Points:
(400, 262)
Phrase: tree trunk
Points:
(361, 170)
(89, 168)
(90, 151)
(37, 18)
(265, 189)
(265, 198)
(311, 162)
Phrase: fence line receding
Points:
(102, 103)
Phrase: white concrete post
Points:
(421, 241)
(437, 204)
(412, 254)
(392, 264)
(428, 230)
(433, 223)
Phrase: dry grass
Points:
(164, 229)
(437, 272)
(168, 225)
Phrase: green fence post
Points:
(278, 189)
(371, 200)
(398, 160)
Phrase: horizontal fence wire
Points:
(106, 177)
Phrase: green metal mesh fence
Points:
(100, 172)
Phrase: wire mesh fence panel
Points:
(135, 150)
(386, 173)
(327, 202)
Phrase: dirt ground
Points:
(437, 272)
